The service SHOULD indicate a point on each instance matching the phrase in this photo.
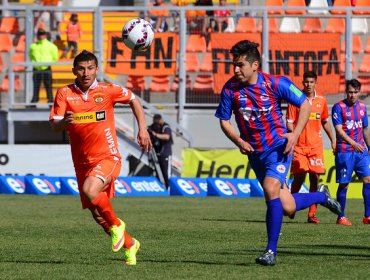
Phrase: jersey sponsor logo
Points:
(72, 98)
(281, 168)
(249, 113)
(89, 117)
(295, 90)
(316, 162)
(353, 124)
(110, 140)
(335, 116)
(315, 116)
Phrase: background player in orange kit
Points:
(86, 109)
(309, 153)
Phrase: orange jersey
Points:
(160, 13)
(311, 134)
(93, 134)
(73, 31)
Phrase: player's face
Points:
(85, 73)
(309, 86)
(245, 71)
(353, 95)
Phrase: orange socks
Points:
(105, 209)
(128, 241)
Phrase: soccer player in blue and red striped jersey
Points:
(254, 97)
(352, 150)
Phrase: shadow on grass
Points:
(33, 261)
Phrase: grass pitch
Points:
(182, 238)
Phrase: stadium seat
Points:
(365, 64)
(340, 3)
(246, 25)
(290, 25)
(203, 83)
(206, 65)
(359, 26)
(1, 63)
(175, 84)
(17, 83)
(296, 3)
(21, 44)
(275, 3)
(322, 4)
(196, 43)
(342, 84)
(335, 25)
(273, 25)
(160, 84)
(6, 43)
(356, 44)
(18, 57)
(367, 48)
(312, 25)
(136, 83)
(9, 25)
(362, 3)
(192, 64)
(342, 66)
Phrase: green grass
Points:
(182, 238)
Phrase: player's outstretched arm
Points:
(143, 137)
(230, 132)
(366, 132)
(60, 125)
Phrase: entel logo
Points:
(73, 184)
(188, 187)
(122, 187)
(228, 188)
(145, 186)
(16, 185)
(44, 186)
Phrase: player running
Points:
(309, 153)
(352, 151)
(86, 110)
(254, 97)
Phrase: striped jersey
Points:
(257, 108)
(353, 119)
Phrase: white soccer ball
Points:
(138, 34)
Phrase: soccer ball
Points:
(138, 34)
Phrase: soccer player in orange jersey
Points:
(86, 110)
(309, 153)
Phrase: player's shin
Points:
(304, 200)
(103, 205)
(341, 198)
(274, 220)
(366, 196)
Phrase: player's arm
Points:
(366, 132)
(230, 132)
(342, 134)
(58, 125)
(326, 126)
(143, 137)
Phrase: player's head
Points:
(246, 60)
(157, 119)
(353, 89)
(85, 68)
(309, 83)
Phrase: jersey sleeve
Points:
(58, 110)
(325, 111)
(291, 114)
(289, 92)
(224, 109)
(336, 114)
(121, 95)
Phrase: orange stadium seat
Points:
(206, 65)
(6, 43)
(365, 64)
(9, 25)
(21, 44)
(312, 25)
(196, 43)
(342, 66)
(338, 4)
(362, 3)
(275, 3)
(296, 3)
(356, 44)
(203, 83)
(335, 25)
(342, 84)
(192, 64)
(1, 63)
(160, 84)
(18, 57)
(273, 25)
(136, 83)
(175, 84)
(367, 48)
(17, 83)
(246, 25)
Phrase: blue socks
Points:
(274, 220)
(366, 195)
(304, 200)
(341, 197)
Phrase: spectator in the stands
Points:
(200, 22)
(74, 33)
(221, 17)
(158, 18)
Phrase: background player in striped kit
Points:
(352, 150)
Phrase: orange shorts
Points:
(103, 170)
(308, 160)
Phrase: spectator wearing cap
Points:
(161, 136)
(42, 51)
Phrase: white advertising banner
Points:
(48, 160)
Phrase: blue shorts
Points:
(347, 162)
(273, 163)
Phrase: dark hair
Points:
(247, 48)
(85, 56)
(309, 74)
(353, 83)
(157, 117)
(74, 17)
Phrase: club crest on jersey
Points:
(98, 98)
(361, 113)
(264, 97)
(281, 168)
